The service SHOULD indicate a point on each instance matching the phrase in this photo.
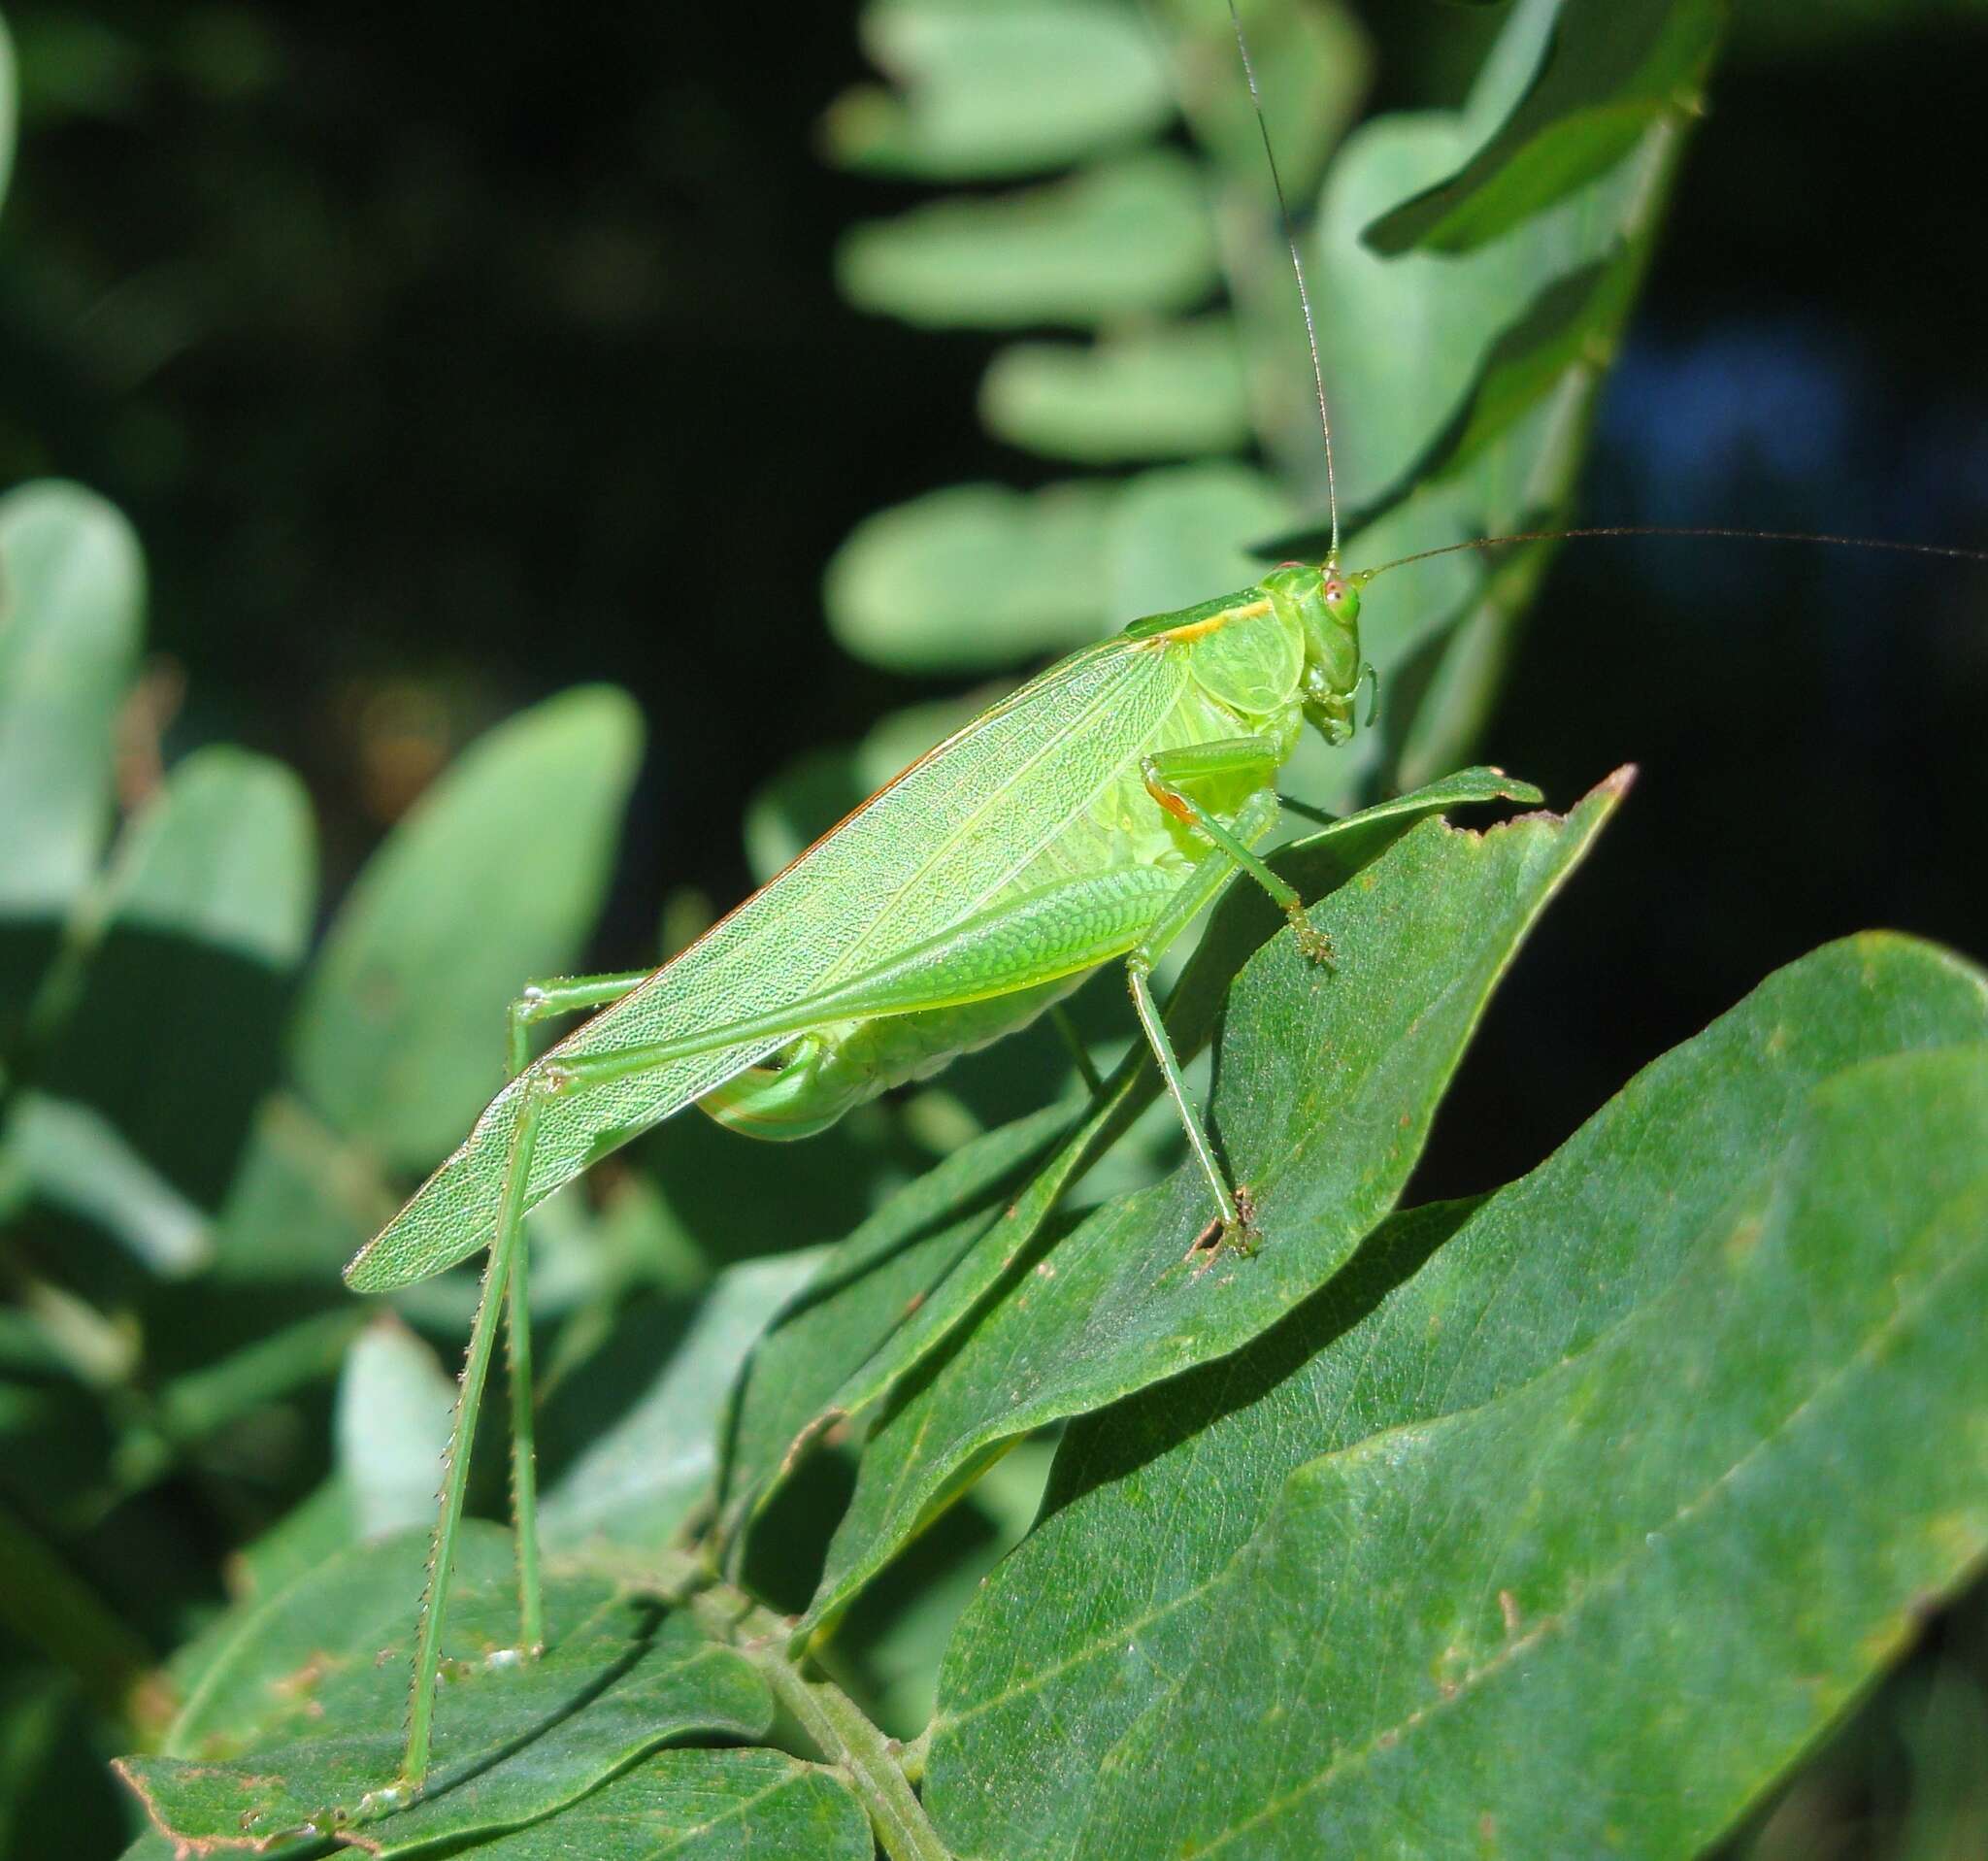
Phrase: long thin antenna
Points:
(1948, 550)
(1276, 181)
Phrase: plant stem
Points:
(838, 1727)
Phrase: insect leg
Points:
(504, 1290)
(1066, 1029)
(561, 995)
(504, 1252)
(1202, 887)
(1168, 772)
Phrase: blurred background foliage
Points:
(433, 382)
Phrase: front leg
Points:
(1209, 880)
(1167, 772)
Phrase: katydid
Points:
(1087, 820)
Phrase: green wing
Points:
(981, 815)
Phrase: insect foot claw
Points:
(1312, 942)
(1239, 1235)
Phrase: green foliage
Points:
(1560, 1520)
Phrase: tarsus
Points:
(1277, 181)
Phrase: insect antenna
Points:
(1951, 552)
(1277, 181)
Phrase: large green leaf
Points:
(1126, 239)
(987, 90)
(302, 1717)
(704, 1806)
(1325, 1088)
(1435, 1554)
(1614, 68)
(494, 878)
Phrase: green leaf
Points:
(1464, 392)
(1325, 1086)
(1175, 390)
(704, 1806)
(1402, 341)
(493, 879)
(1313, 63)
(72, 602)
(1125, 239)
(390, 1429)
(77, 1160)
(224, 856)
(993, 90)
(978, 577)
(206, 911)
(860, 1294)
(638, 1476)
(971, 578)
(1180, 533)
(302, 1717)
(1669, 1375)
(913, 1320)
(302, 1202)
(1613, 69)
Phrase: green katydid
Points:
(1089, 818)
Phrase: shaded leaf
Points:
(303, 1199)
(494, 878)
(1151, 1509)
(860, 1294)
(639, 1476)
(10, 107)
(77, 1160)
(1633, 1388)
(1127, 238)
(302, 1717)
(1614, 68)
(704, 1806)
(1326, 1083)
(984, 91)
(1174, 391)
(205, 912)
